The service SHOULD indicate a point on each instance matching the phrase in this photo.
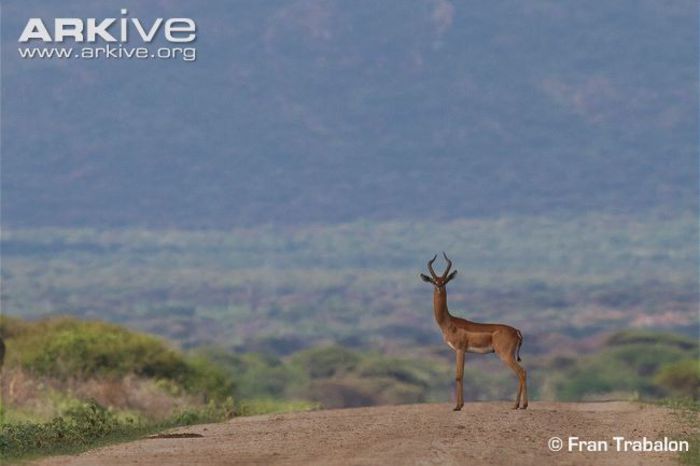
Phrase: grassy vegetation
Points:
(692, 456)
(87, 425)
(68, 385)
(689, 410)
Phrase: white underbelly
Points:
(473, 349)
(481, 350)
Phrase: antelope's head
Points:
(442, 280)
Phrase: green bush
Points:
(80, 425)
(326, 361)
(647, 363)
(398, 370)
(681, 378)
(652, 338)
(204, 377)
(67, 348)
(257, 376)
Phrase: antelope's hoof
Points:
(524, 406)
(457, 408)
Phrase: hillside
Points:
(318, 111)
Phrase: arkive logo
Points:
(119, 38)
(110, 30)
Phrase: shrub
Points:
(652, 338)
(67, 348)
(204, 377)
(398, 370)
(257, 376)
(641, 362)
(326, 362)
(87, 424)
(80, 425)
(681, 378)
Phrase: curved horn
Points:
(449, 265)
(430, 266)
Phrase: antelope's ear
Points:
(426, 278)
(451, 276)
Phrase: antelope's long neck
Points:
(442, 315)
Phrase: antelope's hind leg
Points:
(509, 360)
(523, 393)
(523, 396)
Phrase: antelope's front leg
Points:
(459, 389)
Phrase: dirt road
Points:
(482, 433)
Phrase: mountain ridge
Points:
(317, 111)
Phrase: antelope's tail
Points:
(520, 343)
